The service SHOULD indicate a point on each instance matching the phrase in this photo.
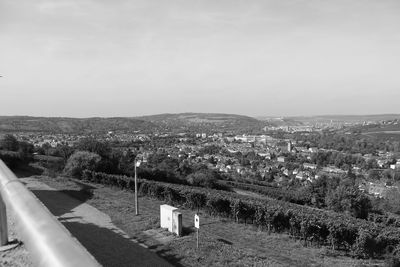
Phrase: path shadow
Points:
(225, 241)
(161, 250)
(209, 223)
(111, 249)
(22, 171)
(83, 185)
(187, 230)
(67, 200)
(82, 195)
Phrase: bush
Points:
(203, 178)
(9, 142)
(392, 261)
(365, 245)
(79, 161)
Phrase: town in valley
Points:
(274, 174)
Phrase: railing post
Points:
(3, 223)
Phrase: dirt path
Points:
(94, 229)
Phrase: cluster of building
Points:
(273, 158)
(273, 155)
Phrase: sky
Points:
(106, 58)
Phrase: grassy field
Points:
(222, 242)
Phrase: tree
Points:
(64, 151)
(79, 161)
(211, 150)
(244, 161)
(387, 174)
(373, 175)
(184, 168)
(396, 175)
(156, 158)
(25, 151)
(391, 202)
(9, 142)
(46, 148)
(203, 178)
(126, 163)
(371, 164)
(346, 198)
(318, 189)
(110, 164)
(92, 145)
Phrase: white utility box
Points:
(170, 218)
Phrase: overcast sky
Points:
(83, 58)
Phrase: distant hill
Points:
(345, 118)
(163, 122)
(388, 130)
(72, 125)
(182, 122)
(280, 121)
(387, 126)
(204, 122)
(307, 120)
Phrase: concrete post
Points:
(3, 224)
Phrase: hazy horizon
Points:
(256, 117)
(124, 58)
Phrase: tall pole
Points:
(197, 237)
(136, 193)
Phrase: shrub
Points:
(80, 161)
(365, 245)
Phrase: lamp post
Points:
(138, 160)
(137, 164)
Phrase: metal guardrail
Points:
(48, 241)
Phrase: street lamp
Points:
(137, 164)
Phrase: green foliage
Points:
(64, 151)
(203, 178)
(347, 198)
(92, 145)
(374, 175)
(275, 192)
(352, 144)
(319, 189)
(391, 202)
(392, 261)
(365, 245)
(9, 142)
(15, 153)
(210, 149)
(157, 158)
(79, 161)
(11, 158)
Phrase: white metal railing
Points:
(47, 240)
